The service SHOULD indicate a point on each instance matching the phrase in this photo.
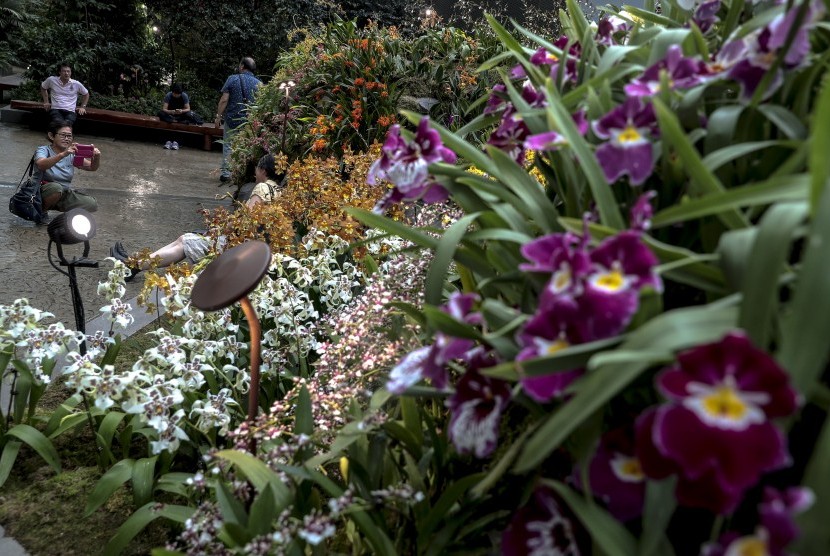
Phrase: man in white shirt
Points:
(64, 93)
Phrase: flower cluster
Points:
(591, 294)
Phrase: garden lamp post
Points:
(228, 279)
(70, 228)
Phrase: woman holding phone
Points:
(55, 167)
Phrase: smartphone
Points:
(82, 152)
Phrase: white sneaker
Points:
(174, 146)
(168, 145)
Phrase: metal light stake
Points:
(228, 279)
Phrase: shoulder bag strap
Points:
(242, 86)
(27, 173)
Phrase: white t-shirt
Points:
(64, 97)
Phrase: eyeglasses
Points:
(65, 135)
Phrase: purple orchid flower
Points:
(476, 407)
(683, 73)
(496, 101)
(431, 361)
(511, 134)
(616, 476)
(553, 140)
(541, 526)
(546, 333)
(610, 29)
(746, 60)
(405, 165)
(592, 294)
(715, 432)
(776, 530)
(628, 129)
(706, 15)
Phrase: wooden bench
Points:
(208, 130)
(9, 82)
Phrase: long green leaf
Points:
(607, 206)
(764, 267)
(263, 512)
(304, 420)
(609, 534)
(259, 474)
(659, 508)
(143, 480)
(440, 510)
(820, 146)
(526, 188)
(69, 422)
(39, 443)
(804, 346)
(444, 252)
(64, 409)
(671, 331)
(706, 181)
(111, 481)
(716, 159)
(109, 426)
(815, 535)
(8, 458)
(140, 519)
(784, 188)
(230, 507)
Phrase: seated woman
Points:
(195, 247)
(55, 167)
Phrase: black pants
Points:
(186, 118)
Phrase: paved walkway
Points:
(147, 197)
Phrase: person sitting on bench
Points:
(176, 108)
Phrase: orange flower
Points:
(359, 82)
(319, 145)
(356, 125)
(384, 121)
(384, 94)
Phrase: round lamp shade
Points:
(231, 276)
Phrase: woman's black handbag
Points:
(26, 201)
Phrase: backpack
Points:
(26, 201)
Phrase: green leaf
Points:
(111, 481)
(804, 346)
(140, 519)
(259, 474)
(39, 443)
(447, 324)
(784, 120)
(8, 458)
(609, 210)
(67, 423)
(705, 180)
(393, 227)
(231, 509)
(766, 262)
(22, 387)
(444, 253)
(263, 513)
(144, 472)
(304, 420)
(109, 426)
(668, 332)
(64, 409)
(659, 508)
(784, 188)
(815, 535)
(608, 533)
(441, 509)
(820, 146)
(525, 187)
(715, 160)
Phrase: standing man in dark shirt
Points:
(237, 92)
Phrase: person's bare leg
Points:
(171, 253)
